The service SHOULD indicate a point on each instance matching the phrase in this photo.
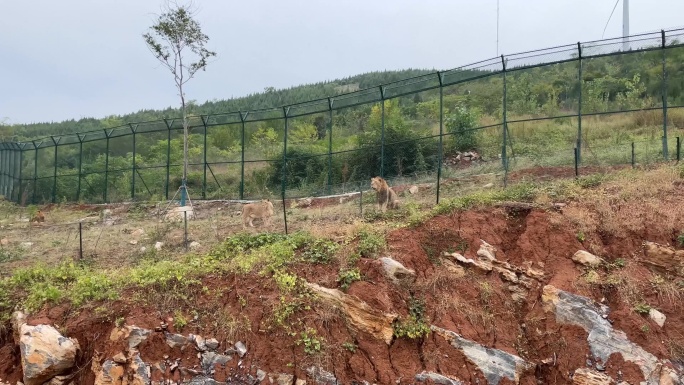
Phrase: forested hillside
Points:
(542, 105)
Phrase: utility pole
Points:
(625, 25)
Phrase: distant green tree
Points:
(460, 124)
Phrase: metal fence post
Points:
(35, 170)
(579, 105)
(286, 111)
(168, 156)
(633, 156)
(54, 176)
(664, 93)
(80, 166)
(3, 166)
(441, 133)
(20, 198)
(106, 170)
(204, 177)
(242, 155)
(504, 158)
(330, 140)
(133, 166)
(382, 134)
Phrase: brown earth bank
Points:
(484, 306)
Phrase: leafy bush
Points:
(370, 243)
(461, 124)
(416, 326)
(347, 277)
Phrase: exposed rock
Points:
(657, 317)
(602, 338)
(143, 250)
(240, 348)
(484, 266)
(200, 342)
(4, 241)
(453, 268)
(61, 380)
(209, 359)
(203, 380)
(45, 353)
(212, 344)
(585, 376)
(436, 378)
(413, 189)
(175, 340)
(663, 258)
(488, 185)
(119, 358)
(158, 246)
(194, 245)
(493, 363)
(133, 334)
(137, 233)
(300, 381)
(26, 245)
(260, 375)
(18, 319)
(487, 251)
(110, 373)
(283, 379)
(361, 316)
(395, 271)
(133, 242)
(138, 371)
(321, 376)
(586, 258)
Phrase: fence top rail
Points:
(368, 95)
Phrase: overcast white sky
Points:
(84, 58)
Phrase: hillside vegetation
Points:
(542, 104)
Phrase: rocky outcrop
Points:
(586, 258)
(436, 379)
(663, 258)
(585, 376)
(521, 279)
(493, 363)
(360, 315)
(396, 272)
(602, 338)
(45, 353)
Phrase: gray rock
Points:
(45, 353)
(493, 363)
(139, 370)
(321, 376)
(136, 336)
(657, 317)
(436, 378)
(201, 343)
(176, 340)
(203, 380)
(261, 375)
(603, 339)
(212, 344)
(395, 271)
(241, 349)
(486, 251)
(209, 359)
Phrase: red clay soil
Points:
(478, 307)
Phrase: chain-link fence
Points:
(559, 110)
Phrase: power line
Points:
(609, 17)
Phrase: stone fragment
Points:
(586, 258)
(396, 272)
(45, 353)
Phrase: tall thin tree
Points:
(177, 41)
